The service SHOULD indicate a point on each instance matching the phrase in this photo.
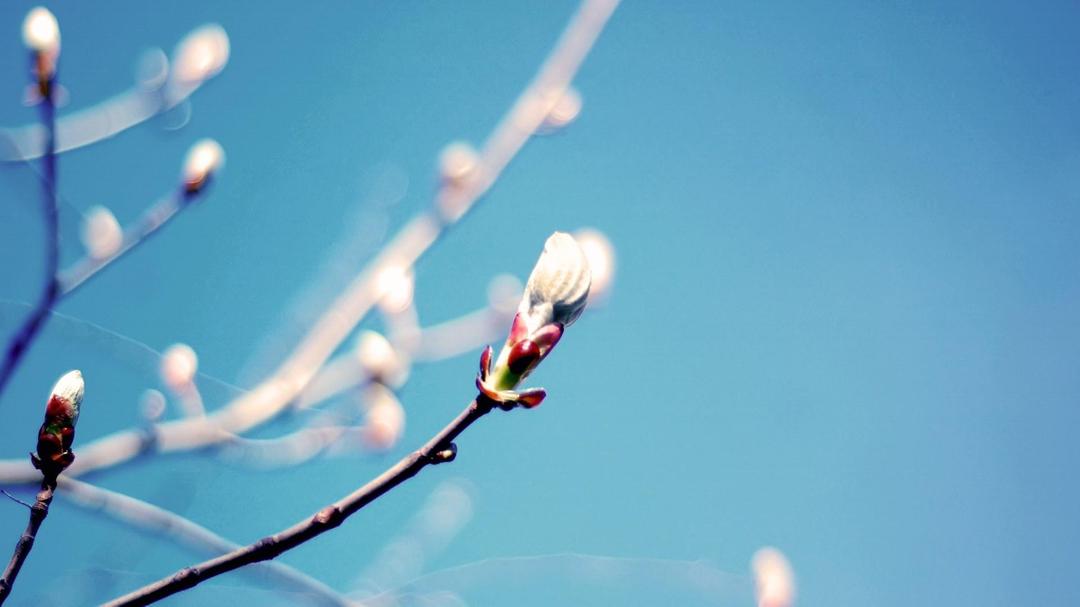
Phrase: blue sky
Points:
(844, 322)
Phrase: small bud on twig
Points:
(58, 430)
(101, 233)
(179, 363)
(555, 296)
(774, 581)
(41, 34)
(203, 160)
(380, 361)
(200, 55)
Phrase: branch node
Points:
(443, 456)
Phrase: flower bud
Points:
(57, 432)
(101, 233)
(554, 297)
(202, 54)
(41, 32)
(203, 160)
(179, 363)
(384, 421)
(774, 581)
(380, 361)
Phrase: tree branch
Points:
(154, 519)
(437, 450)
(38, 512)
(21, 341)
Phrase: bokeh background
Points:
(844, 323)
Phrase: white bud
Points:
(385, 420)
(101, 233)
(773, 578)
(558, 286)
(457, 163)
(41, 32)
(203, 159)
(601, 256)
(179, 363)
(565, 110)
(152, 406)
(69, 390)
(395, 286)
(379, 360)
(201, 54)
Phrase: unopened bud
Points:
(554, 298)
(773, 578)
(395, 285)
(41, 32)
(565, 110)
(203, 160)
(101, 233)
(201, 54)
(379, 359)
(385, 420)
(179, 363)
(458, 161)
(57, 432)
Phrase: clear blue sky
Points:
(845, 320)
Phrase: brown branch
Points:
(437, 450)
(38, 512)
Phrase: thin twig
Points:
(21, 341)
(151, 221)
(159, 521)
(437, 450)
(38, 512)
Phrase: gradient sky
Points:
(844, 324)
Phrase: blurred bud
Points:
(179, 363)
(41, 32)
(385, 420)
(601, 256)
(101, 233)
(773, 578)
(395, 285)
(554, 298)
(380, 361)
(152, 69)
(202, 54)
(504, 293)
(564, 112)
(458, 161)
(152, 406)
(57, 432)
(203, 160)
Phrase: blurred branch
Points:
(156, 520)
(272, 396)
(438, 449)
(20, 342)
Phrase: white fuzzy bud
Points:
(773, 578)
(565, 110)
(179, 363)
(68, 391)
(457, 163)
(558, 286)
(41, 32)
(101, 233)
(385, 420)
(203, 159)
(380, 360)
(201, 54)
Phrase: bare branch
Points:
(437, 450)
